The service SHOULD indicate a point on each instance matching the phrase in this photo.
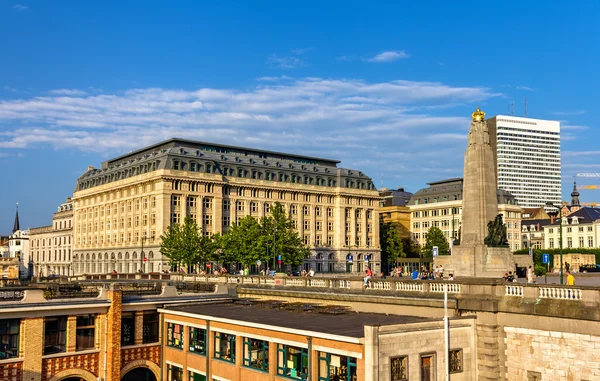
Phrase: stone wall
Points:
(553, 355)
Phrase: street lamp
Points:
(553, 214)
(142, 256)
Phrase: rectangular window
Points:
(127, 328)
(55, 335)
(85, 332)
(427, 367)
(330, 240)
(456, 361)
(292, 362)
(207, 202)
(224, 347)
(581, 244)
(256, 354)
(240, 206)
(9, 338)
(150, 328)
(590, 242)
(193, 376)
(569, 242)
(198, 340)
(334, 367)
(329, 212)
(318, 225)
(306, 225)
(174, 373)
(306, 210)
(175, 335)
(330, 226)
(399, 368)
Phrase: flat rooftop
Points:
(335, 320)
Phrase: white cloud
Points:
(285, 62)
(11, 89)
(72, 92)
(20, 7)
(568, 127)
(346, 119)
(346, 58)
(580, 153)
(526, 88)
(301, 51)
(389, 56)
(575, 112)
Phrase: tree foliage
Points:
(435, 237)
(246, 243)
(392, 245)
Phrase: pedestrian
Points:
(570, 279)
(368, 275)
(530, 274)
(567, 266)
(311, 273)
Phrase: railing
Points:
(379, 285)
(511, 290)
(560, 293)
(311, 282)
(412, 287)
(453, 288)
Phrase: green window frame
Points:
(9, 338)
(175, 335)
(292, 362)
(198, 340)
(193, 376)
(256, 354)
(174, 373)
(224, 347)
(331, 365)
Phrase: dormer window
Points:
(575, 220)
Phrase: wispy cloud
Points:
(575, 112)
(20, 7)
(389, 56)
(580, 153)
(72, 92)
(284, 62)
(301, 51)
(526, 88)
(567, 127)
(11, 89)
(312, 116)
(346, 58)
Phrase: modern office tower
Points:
(527, 158)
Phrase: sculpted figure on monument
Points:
(496, 233)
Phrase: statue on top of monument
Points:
(479, 133)
(497, 236)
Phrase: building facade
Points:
(580, 229)
(440, 205)
(51, 245)
(121, 209)
(527, 156)
(394, 208)
(267, 340)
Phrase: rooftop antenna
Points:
(525, 107)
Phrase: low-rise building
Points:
(580, 229)
(440, 205)
(267, 340)
(394, 208)
(51, 245)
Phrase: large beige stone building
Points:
(580, 229)
(440, 205)
(51, 245)
(122, 208)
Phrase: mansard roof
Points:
(585, 215)
(452, 190)
(198, 156)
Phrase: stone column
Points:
(71, 333)
(31, 348)
(139, 328)
(113, 345)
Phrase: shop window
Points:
(334, 367)
(256, 354)
(292, 362)
(224, 347)
(198, 340)
(175, 335)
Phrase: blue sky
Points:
(386, 87)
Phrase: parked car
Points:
(589, 269)
(294, 273)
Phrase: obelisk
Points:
(473, 258)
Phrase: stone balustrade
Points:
(488, 288)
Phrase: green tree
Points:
(435, 237)
(242, 242)
(392, 246)
(182, 243)
(280, 238)
(410, 247)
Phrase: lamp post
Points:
(142, 256)
(554, 214)
(274, 248)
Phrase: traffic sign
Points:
(366, 258)
(545, 258)
(279, 257)
(145, 259)
(350, 258)
(435, 251)
(258, 262)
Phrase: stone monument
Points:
(483, 249)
